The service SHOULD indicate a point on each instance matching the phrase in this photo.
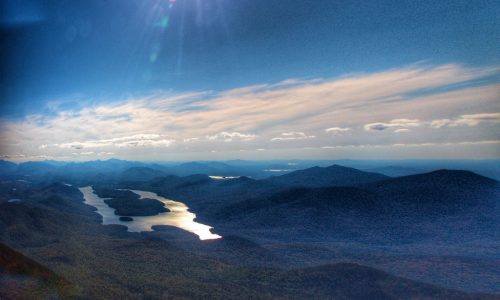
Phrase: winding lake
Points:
(179, 215)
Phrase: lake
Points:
(179, 215)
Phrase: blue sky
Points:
(249, 79)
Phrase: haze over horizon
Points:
(214, 80)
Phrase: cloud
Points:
(254, 114)
(92, 153)
(142, 140)
(376, 126)
(147, 143)
(337, 130)
(293, 135)
(426, 144)
(441, 123)
(467, 120)
(396, 123)
(12, 156)
(230, 136)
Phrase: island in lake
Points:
(127, 203)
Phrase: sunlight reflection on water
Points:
(179, 215)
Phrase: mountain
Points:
(382, 211)
(206, 168)
(74, 172)
(7, 169)
(312, 201)
(172, 182)
(442, 191)
(334, 175)
(140, 174)
(36, 168)
(193, 168)
(316, 193)
(109, 166)
(7, 166)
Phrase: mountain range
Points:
(318, 232)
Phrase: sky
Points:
(261, 79)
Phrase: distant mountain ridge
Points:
(395, 171)
(111, 170)
(334, 175)
(141, 174)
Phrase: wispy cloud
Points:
(468, 120)
(294, 110)
(138, 140)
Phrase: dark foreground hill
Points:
(352, 281)
(23, 278)
(108, 262)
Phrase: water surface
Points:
(222, 177)
(179, 215)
